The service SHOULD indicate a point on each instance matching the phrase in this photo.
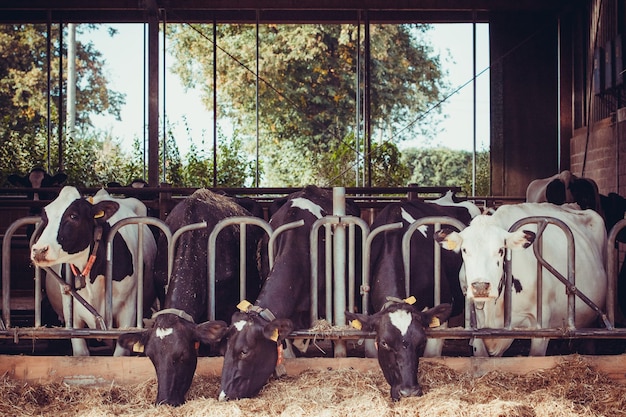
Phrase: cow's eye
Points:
(244, 353)
(501, 252)
(383, 344)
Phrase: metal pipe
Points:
(6, 264)
(242, 221)
(612, 267)
(367, 250)
(406, 245)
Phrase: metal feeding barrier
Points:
(341, 245)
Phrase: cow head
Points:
(482, 245)
(68, 228)
(171, 344)
(251, 355)
(400, 338)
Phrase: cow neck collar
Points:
(180, 313)
(81, 276)
(264, 313)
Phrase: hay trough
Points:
(556, 386)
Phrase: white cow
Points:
(68, 237)
(482, 245)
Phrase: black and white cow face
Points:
(68, 228)
(171, 344)
(482, 245)
(251, 354)
(401, 338)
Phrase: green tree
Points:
(23, 96)
(447, 167)
(234, 169)
(307, 90)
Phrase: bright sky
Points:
(123, 54)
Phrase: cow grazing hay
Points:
(572, 388)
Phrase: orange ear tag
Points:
(99, 215)
(411, 300)
(274, 336)
(138, 347)
(244, 305)
(356, 324)
(196, 346)
(435, 322)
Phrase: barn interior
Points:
(556, 80)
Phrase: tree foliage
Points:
(307, 90)
(24, 123)
(447, 167)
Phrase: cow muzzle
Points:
(480, 289)
(38, 255)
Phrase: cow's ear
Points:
(135, 342)
(103, 210)
(277, 330)
(211, 331)
(363, 321)
(520, 239)
(433, 317)
(58, 179)
(18, 181)
(449, 239)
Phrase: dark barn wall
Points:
(524, 111)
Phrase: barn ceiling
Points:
(287, 11)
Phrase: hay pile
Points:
(570, 389)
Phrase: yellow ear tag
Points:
(356, 324)
(244, 305)
(411, 300)
(99, 215)
(434, 322)
(274, 336)
(450, 244)
(138, 347)
(90, 199)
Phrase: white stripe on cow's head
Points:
(162, 333)
(240, 325)
(308, 205)
(401, 319)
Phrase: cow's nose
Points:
(38, 254)
(480, 289)
(411, 392)
(223, 397)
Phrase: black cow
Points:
(257, 332)
(400, 326)
(171, 341)
(400, 337)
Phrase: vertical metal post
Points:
(214, 102)
(153, 92)
(339, 249)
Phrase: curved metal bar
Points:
(367, 251)
(570, 281)
(242, 221)
(139, 221)
(436, 221)
(6, 268)
(612, 260)
(271, 249)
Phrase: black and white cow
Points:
(483, 245)
(74, 232)
(256, 334)
(171, 342)
(400, 327)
